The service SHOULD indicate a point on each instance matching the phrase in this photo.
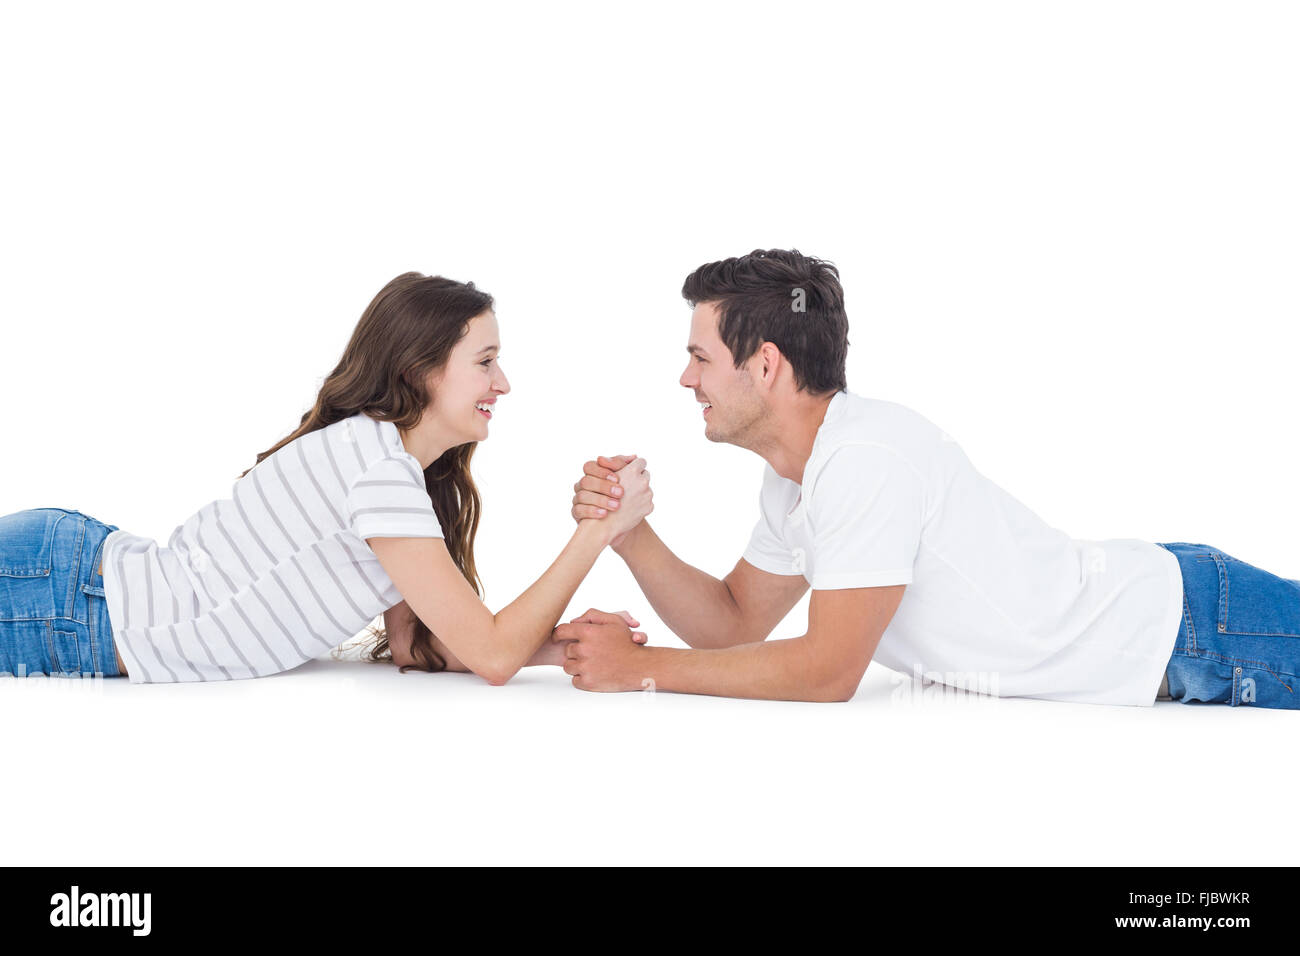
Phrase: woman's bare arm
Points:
(495, 646)
(399, 627)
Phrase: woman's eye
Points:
(487, 362)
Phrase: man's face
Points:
(735, 405)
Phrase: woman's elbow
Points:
(495, 663)
(497, 672)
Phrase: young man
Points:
(914, 557)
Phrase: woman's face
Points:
(465, 390)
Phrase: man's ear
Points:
(769, 361)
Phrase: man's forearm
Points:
(696, 606)
(788, 669)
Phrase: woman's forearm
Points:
(525, 624)
(550, 653)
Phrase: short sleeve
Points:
(767, 551)
(388, 500)
(865, 514)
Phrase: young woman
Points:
(367, 507)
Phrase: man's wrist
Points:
(630, 540)
(656, 670)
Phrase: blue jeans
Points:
(1239, 640)
(53, 616)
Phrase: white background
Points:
(1067, 235)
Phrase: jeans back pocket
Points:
(27, 543)
(27, 579)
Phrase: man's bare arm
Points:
(702, 610)
(825, 664)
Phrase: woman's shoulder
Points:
(371, 439)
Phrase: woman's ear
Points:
(425, 387)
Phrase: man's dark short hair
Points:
(791, 300)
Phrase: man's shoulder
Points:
(877, 422)
(862, 418)
(873, 436)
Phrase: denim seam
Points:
(57, 666)
(55, 617)
(75, 571)
(1223, 593)
(91, 608)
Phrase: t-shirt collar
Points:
(833, 411)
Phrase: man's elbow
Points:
(831, 693)
(837, 686)
(841, 693)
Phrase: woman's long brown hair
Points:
(407, 331)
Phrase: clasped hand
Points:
(601, 651)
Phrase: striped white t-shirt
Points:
(277, 574)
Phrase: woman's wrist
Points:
(596, 529)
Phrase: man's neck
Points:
(791, 438)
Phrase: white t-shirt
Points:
(997, 600)
(276, 574)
